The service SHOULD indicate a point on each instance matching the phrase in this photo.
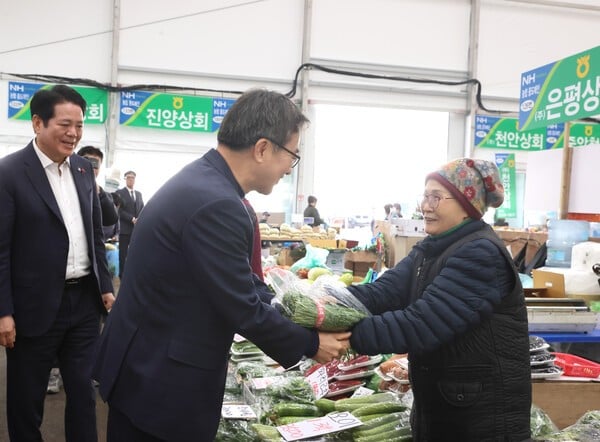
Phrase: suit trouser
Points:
(71, 337)
(123, 247)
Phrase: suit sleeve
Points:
(109, 211)
(7, 218)
(105, 279)
(224, 268)
(464, 293)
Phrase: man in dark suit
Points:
(163, 355)
(110, 216)
(54, 281)
(131, 206)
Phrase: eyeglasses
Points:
(434, 200)
(293, 154)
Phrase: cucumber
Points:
(295, 409)
(351, 404)
(399, 434)
(325, 405)
(284, 420)
(370, 417)
(383, 428)
(266, 432)
(399, 418)
(383, 407)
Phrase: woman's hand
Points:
(332, 346)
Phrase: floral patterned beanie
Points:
(475, 184)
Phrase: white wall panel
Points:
(424, 34)
(515, 37)
(67, 38)
(243, 38)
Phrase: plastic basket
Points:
(576, 366)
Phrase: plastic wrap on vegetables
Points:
(235, 430)
(541, 424)
(325, 304)
(586, 429)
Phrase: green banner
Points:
(562, 91)
(20, 94)
(583, 134)
(503, 133)
(507, 167)
(166, 111)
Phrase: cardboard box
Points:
(360, 262)
(553, 283)
(565, 401)
(328, 243)
(335, 260)
(323, 243)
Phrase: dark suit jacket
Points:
(110, 216)
(34, 243)
(188, 288)
(129, 209)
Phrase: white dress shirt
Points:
(63, 187)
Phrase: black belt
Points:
(75, 281)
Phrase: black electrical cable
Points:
(110, 88)
(473, 81)
(290, 94)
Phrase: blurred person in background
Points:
(132, 204)
(312, 212)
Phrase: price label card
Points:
(318, 381)
(237, 411)
(362, 391)
(262, 383)
(331, 423)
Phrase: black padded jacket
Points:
(455, 304)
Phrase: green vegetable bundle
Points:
(310, 312)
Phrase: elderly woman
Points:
(455, 304)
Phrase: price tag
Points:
(331, 423)
(362, 391)
(237, 411)
(262, 383)
(318, 381)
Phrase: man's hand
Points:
(108, 299)
(8, 331)
(332, 346)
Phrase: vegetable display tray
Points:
(576, 366)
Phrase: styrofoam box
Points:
(584, 255)
(577, 282)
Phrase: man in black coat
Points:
(54, 280)
(132, 204)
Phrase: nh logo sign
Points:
(13, 87)
(525, 81)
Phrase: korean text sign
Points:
(562, 91)
(503, 133)
(172, 112)
(20, 94)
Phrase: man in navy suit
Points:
(54, 280)
(131, 206)
(163, 354)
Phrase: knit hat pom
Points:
(475, 183)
